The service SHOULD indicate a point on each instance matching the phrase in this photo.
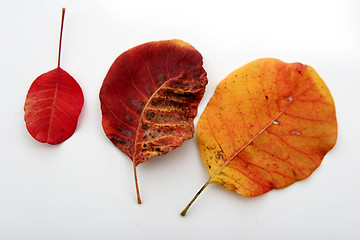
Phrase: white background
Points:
(84, 188)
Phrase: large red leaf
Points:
(149, 98)
(53, 104)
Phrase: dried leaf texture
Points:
(149, 98)
(52, 107)
(268, 125)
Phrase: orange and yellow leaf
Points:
(268, 125)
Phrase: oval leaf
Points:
(149, 98)
(52, 106)
(268, 125)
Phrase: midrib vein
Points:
(53, 104)
(249, 142)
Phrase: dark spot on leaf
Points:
(169, 103)
(266, 97)
(125, 131)
(231, 186)
(150, 115)
(161, 78)
(145, 127)
(188, 96)
(165, 118)
(178, 84)
(153, 134)
(130, 119)
(218, 155)
(118, 139)
(148, 91)
(141, 107)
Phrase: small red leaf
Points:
(53, 104)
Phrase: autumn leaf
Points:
(149, 99)
(268, 125)
(53, 104)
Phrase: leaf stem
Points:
(137, 186)
(61, 32)
(183, 213)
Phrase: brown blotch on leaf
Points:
(150, 115)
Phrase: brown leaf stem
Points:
(61, 32)
(183, 213)
(137, 186)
